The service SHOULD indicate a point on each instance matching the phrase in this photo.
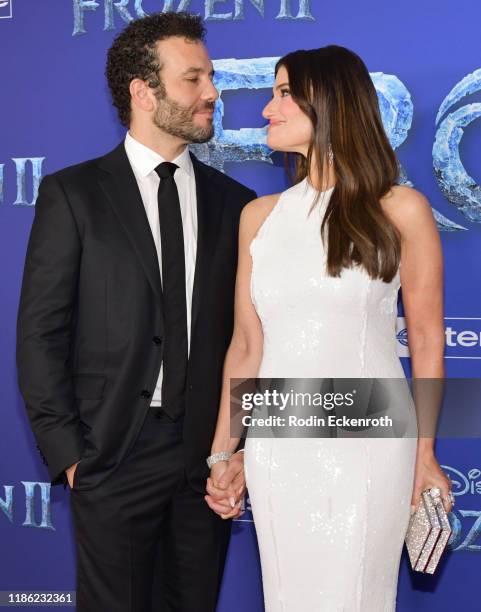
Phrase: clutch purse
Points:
(428, 532)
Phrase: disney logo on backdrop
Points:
(6, 9)
(213, 10)
(464, 484)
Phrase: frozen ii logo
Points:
(453, 180)
(33, 514)
(6, 9)
(249, 144)
(30, 504)
(396, 108)
(212, 10)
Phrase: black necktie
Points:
(173, 293)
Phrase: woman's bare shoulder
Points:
(256, 211)
(405, 206)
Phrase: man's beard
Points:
(178, 120)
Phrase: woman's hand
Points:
(428, 474)
(226, 487)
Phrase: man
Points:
(125, 315)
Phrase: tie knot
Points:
(166, 169)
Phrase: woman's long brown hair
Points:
(332, 86)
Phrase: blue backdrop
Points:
(425, 60)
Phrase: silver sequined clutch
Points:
(428, 533)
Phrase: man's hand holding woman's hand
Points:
(226, 487)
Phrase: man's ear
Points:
(141, 95)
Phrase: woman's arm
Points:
(244, 354)
(242, 360)
(422, 292)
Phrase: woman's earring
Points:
(330, 154)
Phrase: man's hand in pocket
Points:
(70, 473)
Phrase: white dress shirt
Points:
(144, 161)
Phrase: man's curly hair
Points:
(133, 53)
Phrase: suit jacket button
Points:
(157, 340)
(145, 393)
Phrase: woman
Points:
(330, 513)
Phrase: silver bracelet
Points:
(222, 456)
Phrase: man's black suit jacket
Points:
(90, 322)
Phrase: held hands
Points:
(226, 487)
(429, 474)
(71, 473)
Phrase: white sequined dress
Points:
(330, 513)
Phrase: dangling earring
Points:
(330, 154)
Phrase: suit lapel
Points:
(210, 204)
(120, 187)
